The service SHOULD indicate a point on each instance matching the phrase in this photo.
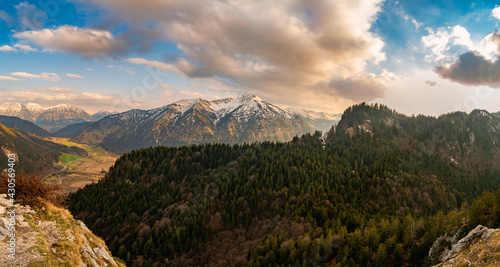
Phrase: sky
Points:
(418, 57)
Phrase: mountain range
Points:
(50, 118)
(246, 118)
(215, 117)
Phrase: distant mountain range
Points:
(101, 114)
(246, 118)
(51, 118)
(191, 121)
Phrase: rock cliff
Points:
(49, 236)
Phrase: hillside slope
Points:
(23, 125)
(35, 155)
(72, 130)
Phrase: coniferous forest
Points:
(377, 190)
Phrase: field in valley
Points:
(80, 171)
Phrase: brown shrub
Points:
(31, 190)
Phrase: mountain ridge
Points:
(246, 118)
(50, 118)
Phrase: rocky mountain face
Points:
(51, 119)
(16, 110)
(49, 236)
(57, 117)
(232, 120)
(478, 248)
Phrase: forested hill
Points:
(461, 138)
(366, 196)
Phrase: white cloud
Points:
(74, 76)
(52, 77)
(86, 42)
(25, 48)
(6, 48)
(446, 44)
(7, 78)
(17, 48)
(89, 69)
(496, 12)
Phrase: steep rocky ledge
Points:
(481, 247)
(51, 237)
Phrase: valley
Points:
(79, 171)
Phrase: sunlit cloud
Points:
(74, 75)
(52, 77)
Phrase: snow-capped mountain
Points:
(35, 109)
(318, 120)
(16, 110)
(50, 118)
(58, 117)
(192, 121)
(103, 113)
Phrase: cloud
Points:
(361, 87)
(496, 12)
(89, 69)
(431, 83)
(472, 68)
(6, 48)
(475, 68)
(52, 77)
(24, 48)
(54, 90)
(121, 68)
(281, 46)
(86, 42)
(445, 43)
(74, 76)
(17, 48)
(7, 78)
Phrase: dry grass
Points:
(31, 190)
(7, 130)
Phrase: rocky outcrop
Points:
(480, 247)
(50, 237)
